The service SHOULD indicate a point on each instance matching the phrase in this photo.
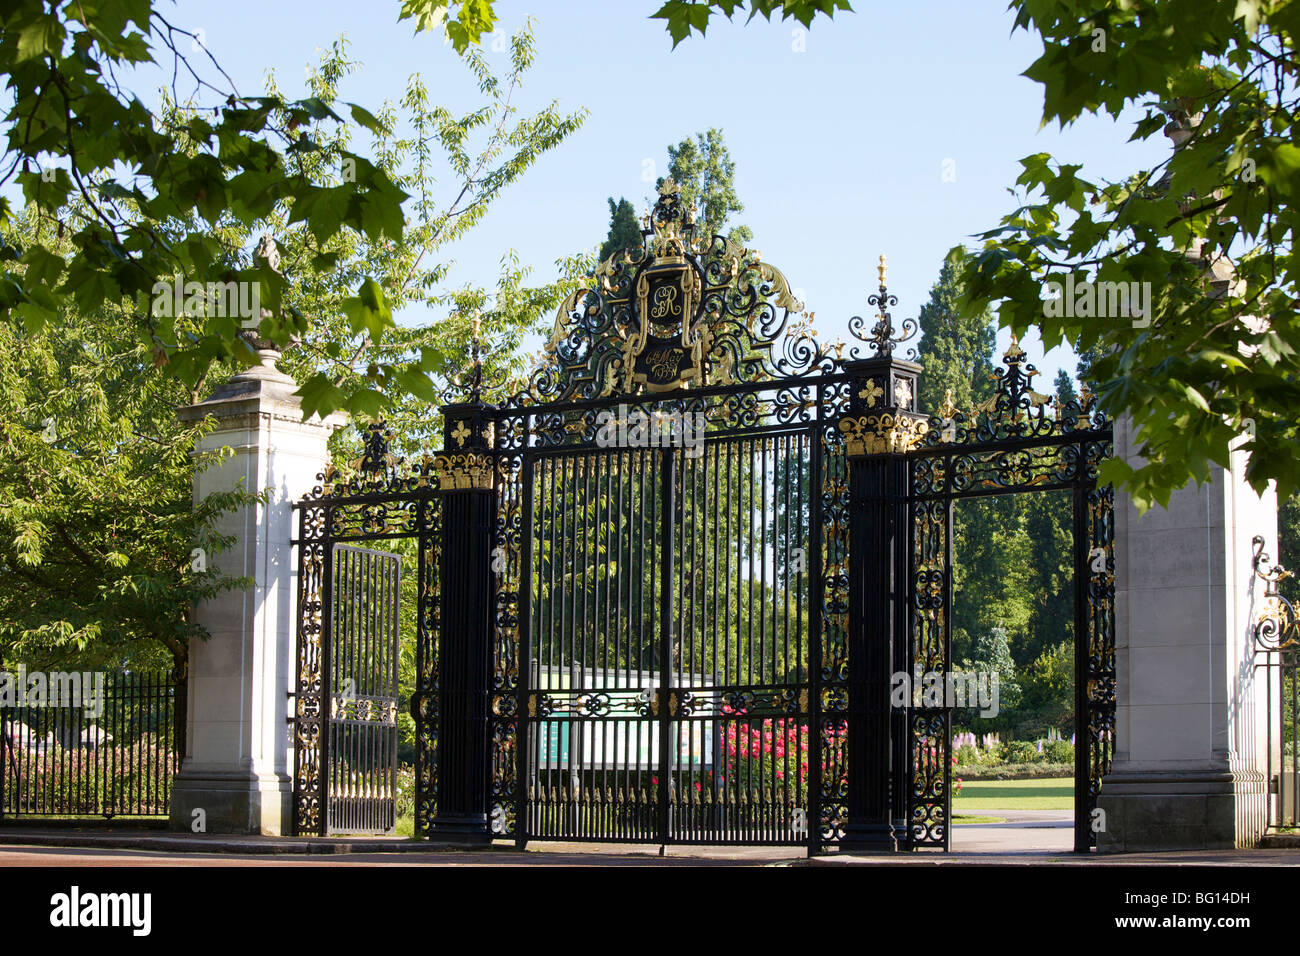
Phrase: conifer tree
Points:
(624, 230)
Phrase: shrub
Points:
(1020, 751)
(1058, 751)
(125, 778)
(967, 755)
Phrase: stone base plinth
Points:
(871, 838)
(469, 830)
(1178, 810)
(232, 802)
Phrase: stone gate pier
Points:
(236, 776)
(1191, 723)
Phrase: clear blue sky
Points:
(840, 149)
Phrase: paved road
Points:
(1025, 831)
(1027, 837)
(557, 855)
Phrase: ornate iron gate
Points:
(349, 624)
(668, 692)
(663, 586)
(1010, 445)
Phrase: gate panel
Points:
(1095, 656)
(362, 669)
(425, 698)
(593, 710)
(829, 661)
(669, 685)
(1008, 444)
(930, 801)
(740, 702)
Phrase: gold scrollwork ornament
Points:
(882, 434)
(461, 472)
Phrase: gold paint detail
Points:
(949, 408)
(460, 433)
(1014, 354)
(460, 472)
(902, 392)
(871, 392)
(882, 434)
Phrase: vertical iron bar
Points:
(1082, 723)
(667, 531)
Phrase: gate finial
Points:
(883, 336)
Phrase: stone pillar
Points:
(237, 765)
(1188, 768)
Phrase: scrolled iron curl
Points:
(858, 328)
(793, 405)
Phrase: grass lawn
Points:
(1052, 793)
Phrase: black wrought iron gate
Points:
(663, 589)
(345, 713)
(346, 696)
(1011, 446)
(668, 691)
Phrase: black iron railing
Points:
(78, 744)
(1277, 656)
(1283, 668)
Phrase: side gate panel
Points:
(930, 800)
(362, 701)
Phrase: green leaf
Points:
(320, 396)
(366, 118)
(473, 19)
(40, 37)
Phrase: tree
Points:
(474, 18)
(990, 655)
(150, 192)
(624, 230)
(1048, 697)
(98, 528)
(158, 190)
(1288, 534)
(1207, 233)
(683, 16)
(703, 167)
(1048, 577)
(487, 148)
(98, 524)
(1064, 386)
(956, 350)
